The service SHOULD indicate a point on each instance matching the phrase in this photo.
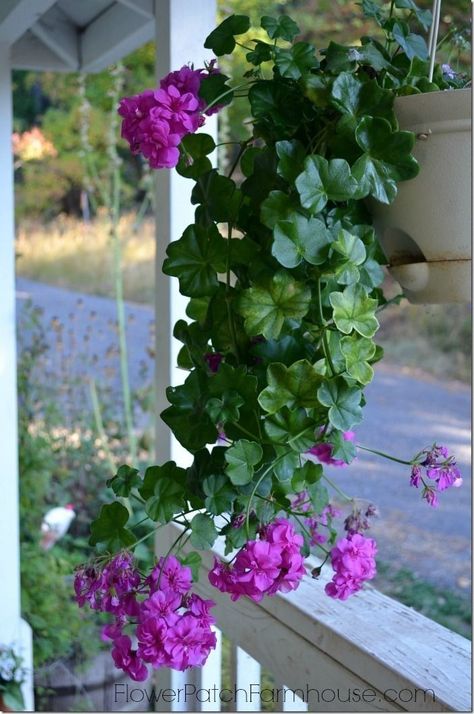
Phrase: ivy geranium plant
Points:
(283, 274)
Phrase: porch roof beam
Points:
(17, 16)
(60, 36)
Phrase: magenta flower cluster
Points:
(155, 121)
(323, 451)
(314, 521)
(438, 466)
(353, 562)
(271, 564)
(170, 625)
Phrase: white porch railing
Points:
(367, 654)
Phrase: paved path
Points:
(403, 414)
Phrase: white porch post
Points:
(12, 630)
(181, 28)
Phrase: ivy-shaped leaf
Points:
(220, 494)
(424, 17)
(351, 253)
(300, 238)
(226, 408)
(125, 480)
(262, 52)
(356, 99)
(241, 459)
(278, 206)
(294, 429)
(342, 447)
(221, 40)
(109, 527)
(218, 198)
(194, 561)
(306, 475)
(194, 149)
(357, 353)
(413, 45)
(203, 532)
(323, 181)
(266, 309)
(386, 159)
(343, 402)
(291, 156)
(195, 259)
(294, 386)
(295, 62)
(186, 416)
(215, 91)
(164, 492)
(282, 27)
(353, 310)
(285, 463)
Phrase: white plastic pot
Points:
(426, 232)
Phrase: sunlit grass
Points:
(77, 255)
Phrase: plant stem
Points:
(252, 495)
(336, 488)
(224, 94)
(99, 425)
(385, 456)
(326, 350)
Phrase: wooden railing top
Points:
(369, 644)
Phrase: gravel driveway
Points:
(403, 414)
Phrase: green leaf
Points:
(285, 463)
(203, 532)
(109, 527)
(353, 310)
(266, 309)
(277, 207)
(372, 9)
(262, 52)
(194, 151)
(294, 386)
(413, 45)
(186, 416)
(287, 350)
(306, 475)
(357, 99)
(194, 561)
(195, 259)
(386, 159)
(220, 494)
(296, 61)
(241, 459)
(211, 90)
(225, 409)
(221, 40)
(424, 17)
(12, 697)
(300, 238)
(124, 481)
(323, 181)
(164, 491)
(352, 253)
(343, 402)
(218, 197)
(291, 156)
(342, 448)
(282, 27)
(291, 428)
(357, 353)
(318, 495)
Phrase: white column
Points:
(181, 28)
(12, 630)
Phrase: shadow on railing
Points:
(370, 653)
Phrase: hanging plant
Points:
(283, 273)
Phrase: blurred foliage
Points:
(52, 100)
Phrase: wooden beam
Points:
(114, 34)
(29, 52)
(142, 7)
(17, 16)
(60, 35)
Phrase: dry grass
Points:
(79, 256)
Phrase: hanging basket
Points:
(426, 232)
